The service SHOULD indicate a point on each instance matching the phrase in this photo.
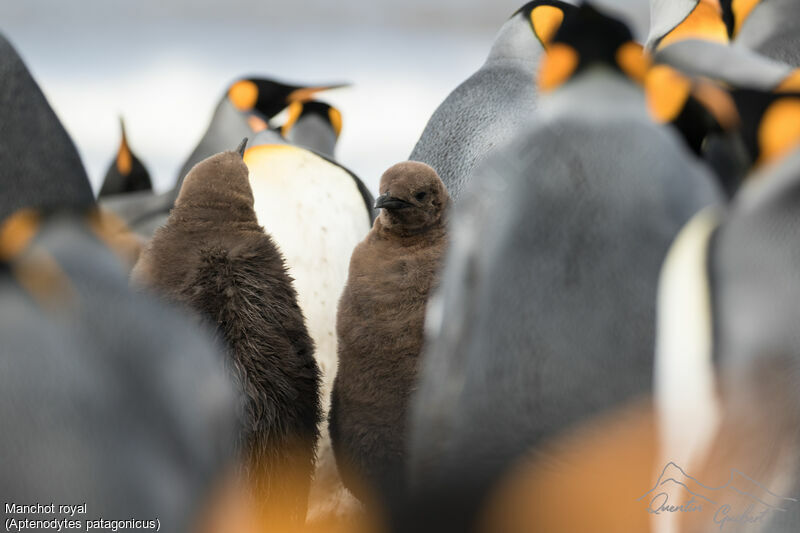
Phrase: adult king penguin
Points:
(547, 308)
(496, 103)
(39, 165)
(726, 357)
(314, 125)
(317, 212)
(126, 173)
(246, 101)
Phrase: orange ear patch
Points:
(243, 95)
(704, 22)
(741, 10)
(336, 120)
(779, 131)
(558, 64)
(790, 84)
(632, 60)
(545, 21)
(124, 158)
(666, 91)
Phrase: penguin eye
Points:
(420, 196)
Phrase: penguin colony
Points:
(574, 308)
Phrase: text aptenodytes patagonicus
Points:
(496, 103)
(213, 256)
(317, 212)
(547, 306)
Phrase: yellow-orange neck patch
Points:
(243, 95)
(336, 120)
(666, 91)
(295, 110)
(791, 83)
(741, 10)
(17, 232)
(633, 61)
(704, 22)
(558, 64)
(545, 21)
(779, 131)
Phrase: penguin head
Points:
(545, 17)
(412, 198)
(299, 110)
(270, 97)
(770, 123)
(223, 177)
(677, 20)
(586, 39)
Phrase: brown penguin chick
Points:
(380, 330)
(214, 257)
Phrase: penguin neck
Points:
(215, 206)
(665, 16)
(705, 21)
(410, 237)
(516, 43)
(596, 91)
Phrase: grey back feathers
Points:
(39, 165)
(555, 290)
(771, 30)
(488, 109)
(111, 385)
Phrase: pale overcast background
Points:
(163, 65)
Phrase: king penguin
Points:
(314, 125)
(245, 102)
(126, 173)
(39, 164)
(317, 212)
(546, 312)
(727, 343)
(496, 103)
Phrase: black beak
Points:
(386, 201)
(241, 147)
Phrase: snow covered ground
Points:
(163, 65)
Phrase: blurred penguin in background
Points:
(39, 165)
(494, 105)
(380, 331)
(314, 125)
(244, 110)
(126, 173)
(213, 256)
(546, 313)
(672, 21)
(247, 103)
(316, 211)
